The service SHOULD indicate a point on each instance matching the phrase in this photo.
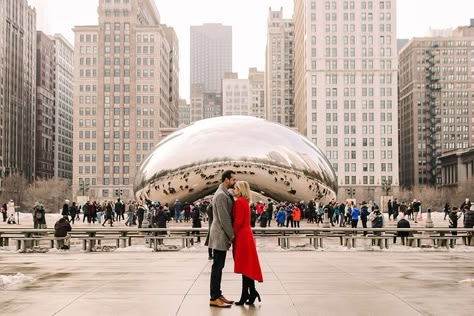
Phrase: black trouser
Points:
(140, 221)
(364, 224)
(216, 273)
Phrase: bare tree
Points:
(14, 189)
(50, 192)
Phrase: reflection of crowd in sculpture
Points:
(193, 180)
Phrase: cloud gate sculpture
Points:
(276, 161)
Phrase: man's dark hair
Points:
(227, 175)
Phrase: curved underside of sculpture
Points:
(276, 161)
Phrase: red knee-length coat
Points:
(244, 249)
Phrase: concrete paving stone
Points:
(271, 305)
(113, 305)
(357, 305)
(296, 283)
(25, 303)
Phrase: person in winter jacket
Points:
(453, 219)
(61, 228)
(364, 213)
(244, 250)
(280, 217)
(469, 221)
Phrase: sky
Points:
(248, 19)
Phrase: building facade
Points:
(256, 93)
(45, 105)
(204, 104)
(244, 96)
(123, 94)
(63, 107)
(184, 113)
(346, 89)
(279, 69)
(211, 55)
(17, 89)
(457, 167)
(235, 95)
(436, 98)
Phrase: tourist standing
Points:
(245, 252)
(221, 236)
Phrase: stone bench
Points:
(437, 241)
(382, 241)
(88, 242)
(22, 241)
(186, 241)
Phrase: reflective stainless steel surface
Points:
(276, 161)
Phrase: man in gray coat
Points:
(221, 236)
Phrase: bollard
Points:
(429, 221)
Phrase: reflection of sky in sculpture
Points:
(264, 153)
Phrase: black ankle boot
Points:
(253, 295)
(243, 299)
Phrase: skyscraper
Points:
(436, 97)
(346, 89)
(17, 89)
(124, 91)
(211, 55)
(279, 69)
(211, 58)
(63, 109)
(45, 80)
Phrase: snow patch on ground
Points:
(467, 281)
(8, 280)
(134, 249)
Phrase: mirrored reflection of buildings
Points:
(17, 89)
(346, 89)
(279, 69)
(125, 90)
(243, 96)
(436, 98)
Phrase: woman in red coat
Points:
(244, 249)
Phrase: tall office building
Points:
(211, 58)
(17, 89)
(172, 111)
(45, 105)
(184, 113)
(123, 94)
(257, 93)
(279, 69)
(346, 89)
(243, 96)
(211, 55)
(63, 109)
(204, 104)
(436, 100)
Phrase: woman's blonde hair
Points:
(243, 189)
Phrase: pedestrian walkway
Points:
(295, 283)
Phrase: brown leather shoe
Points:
(219, 303)
(222, 298)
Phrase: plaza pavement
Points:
(295, 283)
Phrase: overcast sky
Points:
(248, 19)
